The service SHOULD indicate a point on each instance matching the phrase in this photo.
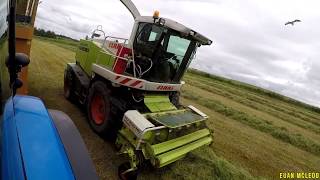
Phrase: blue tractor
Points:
(36, 143)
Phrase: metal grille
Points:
(174, 120)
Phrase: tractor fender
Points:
(34, 145)
(74, 146)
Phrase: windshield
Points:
(165, 47)
(149, 34)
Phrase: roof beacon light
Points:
(156, 14)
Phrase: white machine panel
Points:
(134, 82)
(136, 122)
(197, 111)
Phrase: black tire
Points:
(100, 118)
(175, 99)
(131, 175)
(68, 89)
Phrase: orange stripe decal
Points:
(125, 81)
(134, 84)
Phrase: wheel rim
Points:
(98, 107)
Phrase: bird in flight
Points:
(292, 22)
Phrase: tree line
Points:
(49, 34)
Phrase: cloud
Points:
(250, 41)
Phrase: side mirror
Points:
(21, 60)
(95, 35)
(14, 66)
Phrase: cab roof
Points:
(178, 27)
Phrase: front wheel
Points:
(99, 109)
(125, 174)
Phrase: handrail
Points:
(105, 39)
(100, 30)
(118, 56)
(116, 37)
(113, 55)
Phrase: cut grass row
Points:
(253, 104)
(262, 125)
(290, 109)
(203, 163)
(291, 104)
(253, 99)
(206, 164)
(252, 88)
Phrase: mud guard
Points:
(74, 146)
(33, 147)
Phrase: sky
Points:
(250, 41)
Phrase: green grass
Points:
(252, 88)
(202, 164)
(256, 103)
(257, 133)
(275, 103)
(257, 123)
(61, 42)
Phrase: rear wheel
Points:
(99, 109)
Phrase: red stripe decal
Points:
(135, 83)
(125, 81)
(118, 77)
(140, 87)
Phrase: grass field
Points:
(257, 133)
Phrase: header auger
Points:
(131, 89)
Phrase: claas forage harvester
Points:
(131, 90)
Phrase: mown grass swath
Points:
(255, 104)
(206, 164)
(256, 89)
(257, 123)
(273, 103)
(276, 104)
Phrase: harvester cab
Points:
(158, 50)
(131, 89)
